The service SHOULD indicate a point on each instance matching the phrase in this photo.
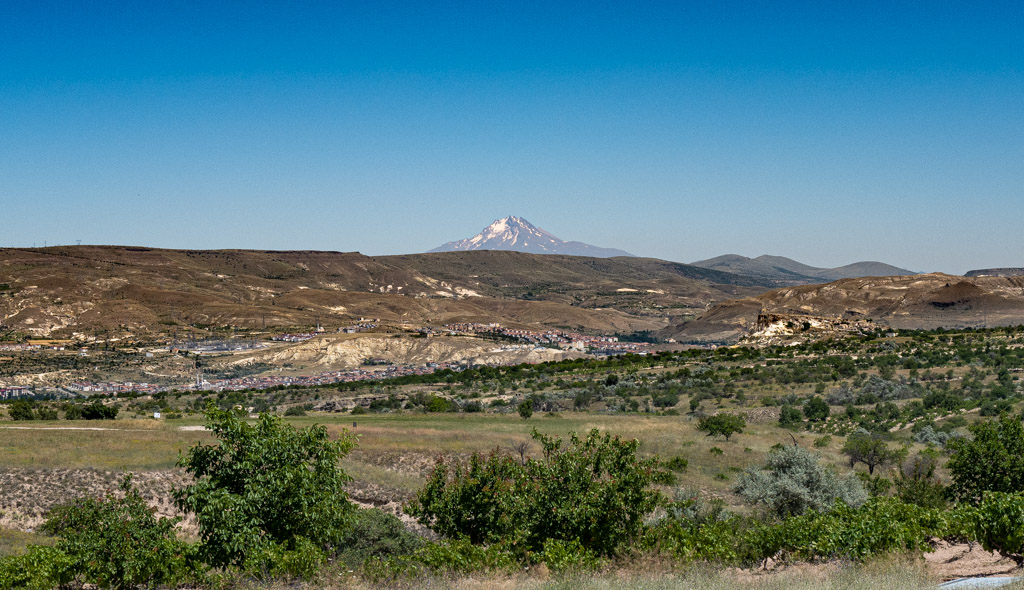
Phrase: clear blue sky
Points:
(825, 131)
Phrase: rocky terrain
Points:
(916, 302)
(101, 291)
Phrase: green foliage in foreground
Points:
(594, 491)
(40, 568)
(992, 461)
(265, 485)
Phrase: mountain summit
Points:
(516, 233)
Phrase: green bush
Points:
(444, 557)
(790, 417)
(997, 522)
(39, 568)
(816, 409)
(992, 461)
(21, 410)
(265, 485)
(99, 411)
(880, 525)
(594, 490)
(525, 409)
(300, 560)
(722, 425)
(377, 534)
(119, 543)
(567, 556)
(793, 482)
(295, 411)
(46, 413)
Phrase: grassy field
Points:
(396, 450)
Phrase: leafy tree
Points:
(98, 411)
(265, 486)
(816, 409)
(526, 409)
(917, 481)
(722, 425)
(595, 491)
(869, 449)
(21, 410)
(118, 542)
(992, 461)
(793, 481)
(790, 417)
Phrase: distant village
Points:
(563, 340)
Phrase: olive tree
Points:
(793, 481)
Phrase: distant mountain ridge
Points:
(519, 235)
(786, 271)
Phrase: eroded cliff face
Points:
(913, 302)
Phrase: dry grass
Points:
(894, 573)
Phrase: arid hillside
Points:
(114, 290)
(914, 302)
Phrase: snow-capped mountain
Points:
(515, 233)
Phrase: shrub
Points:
(525, 409)
(992, 461)
(46, 413)
(565, 556)
(677, 464)
(816, 409)
(594, 490)
(790, 417)
(118, 542)
(98, 411)
(295, 411)
(918, 483)
(21, 410)
(377, 534)
(996, 523)
(448, 556)
(793, 481)
(39, 568)
(722, 425)
(263, 485)
(880, 525)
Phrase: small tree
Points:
(869, 449)
(722, 425)
(526, 409)
(793, 481)
(992, 461)
(118, 542)
(816, 409)
(790, 417)
(265, 487)
(21, 410)
(594, 491)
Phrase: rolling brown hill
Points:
(912, 302)
(112, 290)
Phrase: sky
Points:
(828, 132)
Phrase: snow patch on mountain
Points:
(518, 234)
